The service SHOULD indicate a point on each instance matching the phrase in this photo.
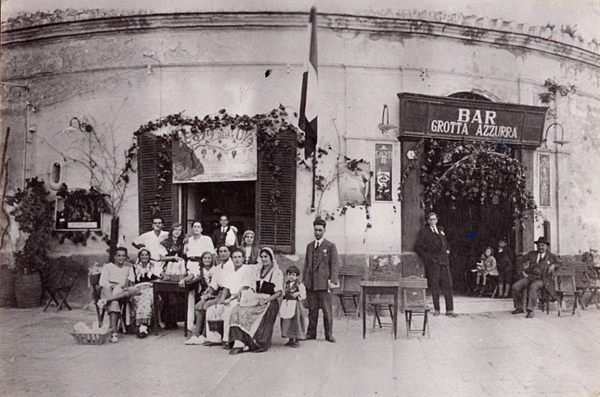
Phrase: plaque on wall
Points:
(544, 178)
(383, 171)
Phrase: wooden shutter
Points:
(277, 177)
(151, 202)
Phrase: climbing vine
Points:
(476, 172)
(268, 128)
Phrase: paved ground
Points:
(485, 352)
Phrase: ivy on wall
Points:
(267, 127)
(475, 172)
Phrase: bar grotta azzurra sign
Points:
(451, 118)
(214, 156)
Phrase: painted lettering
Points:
(464, 115)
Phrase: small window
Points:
(469, 95)
(56, 169)
(56, 175)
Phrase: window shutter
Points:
(276, 193)
(149, 149)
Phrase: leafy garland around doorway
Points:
(268, 126)
(477, 172)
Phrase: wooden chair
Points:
(564, 282)
(59, 291)
(349, 291)
(586, 280)
(94, 280)
(414, 303)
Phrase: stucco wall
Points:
(105, 80)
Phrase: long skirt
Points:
(294, 328)
(143, 304)
(253, 325)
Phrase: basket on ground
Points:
(91, 339)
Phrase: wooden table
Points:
(379, 287)
(173, 286)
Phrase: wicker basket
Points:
(91, 339)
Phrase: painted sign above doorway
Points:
(453, 118)
(215, 156)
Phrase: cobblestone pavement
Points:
(486, 351)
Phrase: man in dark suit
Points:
(433, 249)
(537, 270)
(225, 234)
(320, 274)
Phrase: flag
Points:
(308, 106)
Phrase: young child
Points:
(487, 266)
(292, 320)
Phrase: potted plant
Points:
(34, 213)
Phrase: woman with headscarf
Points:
(250, 248)
(252, 321)
(143, 301)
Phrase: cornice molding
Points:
(40, 26)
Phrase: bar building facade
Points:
(440, 75)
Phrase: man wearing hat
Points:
(538, 267)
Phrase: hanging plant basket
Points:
(28, 290)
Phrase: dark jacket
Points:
(320, 267)
(540, 271)
(506, 259)
(432, 248)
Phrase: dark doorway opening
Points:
(208, 201)
(470, 228)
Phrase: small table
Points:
(173, 286)
(379, 287)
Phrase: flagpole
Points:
(314, 176)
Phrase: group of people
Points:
(498, 268)
(533, 271)
(242, 289)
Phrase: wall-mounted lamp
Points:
(385, 125)
(83, 127)
(560, 141)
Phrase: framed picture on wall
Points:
(383, 171)
(544, 180)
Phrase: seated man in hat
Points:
(538, 268)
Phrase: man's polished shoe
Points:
(529, 314)
(311, 337)
(451, 314)
(330, 339)
(517, 311)
(436, 313)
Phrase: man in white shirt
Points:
(113, 279)
(151, 241)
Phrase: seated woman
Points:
(251, 325)
(216, 287)
(142, 298)
(238, 278)
(194, 249)
(173, 252)
(139, 291)
(250, 248)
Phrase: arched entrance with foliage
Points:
(479, 191)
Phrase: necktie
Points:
(317, 246)
(223, 229)
(434, 229)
